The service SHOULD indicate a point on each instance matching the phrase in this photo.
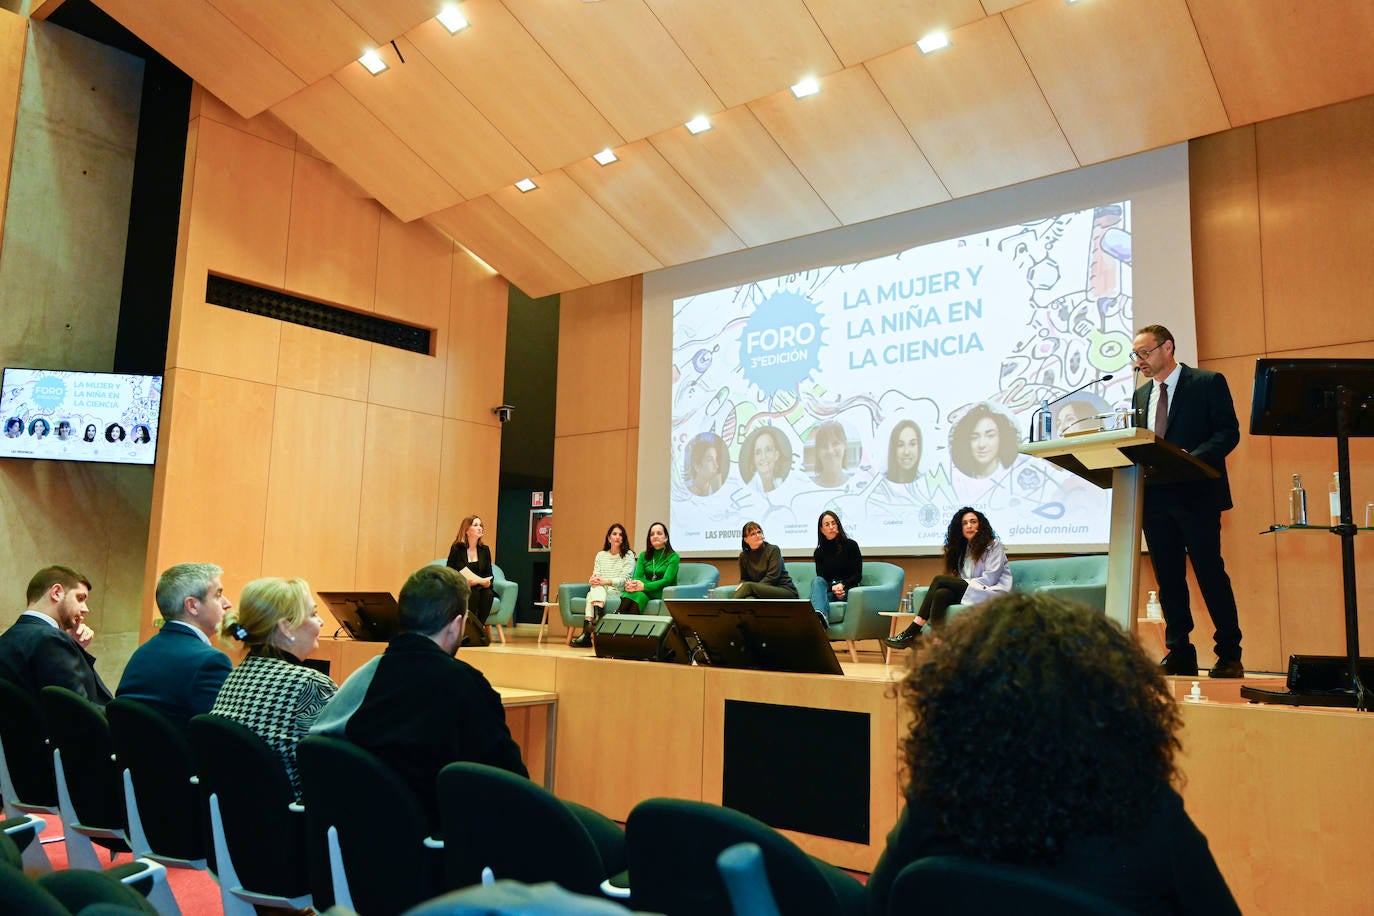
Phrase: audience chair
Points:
(162, 800)
(746, 880)
(493, 818)
(26, 773)
(257, 830)
(955, 885)
(90, 791)
(368, 841)
(672, 845)
(24, 830)
(63, 893)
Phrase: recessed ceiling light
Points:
(933, 42)
(525, 184)
(698, 124)
(606, 157)
(806, 87)
(451, 19)
(373, 62)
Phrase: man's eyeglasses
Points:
(1139, 355)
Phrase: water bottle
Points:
(1044, 422)
(1335, 498)
(1297, 502)
(1152, 609)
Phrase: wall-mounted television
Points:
(79, 416)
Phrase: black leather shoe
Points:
(903, 640)
(1179, 664)
(1232, 668)
(583, 640)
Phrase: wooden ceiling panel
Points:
(1121, 77)
(576, 228)
(623, 60)
(994, 7)
(433, 118)
(744, 176)
(851, 147)
(499, 239)
(331, 120)
(860, 30)
(1274, 57)
(643, 193)
(972, 103)
(312, 37)
(385, 21)
(748, 50)
(204, 44)
(504, 73)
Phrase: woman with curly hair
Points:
(975, 570)
(1043, 737)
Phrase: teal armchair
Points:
(694, 580)
(1082, 579)
(502, 604)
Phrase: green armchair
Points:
(1082, 579)
(502, 604)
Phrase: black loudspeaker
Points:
(1311, 673)
(640, 637)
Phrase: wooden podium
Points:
(1126, 460)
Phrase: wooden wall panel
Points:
(1317, 228)
(314, 490)
(267, 126)
(476, 375)
(210, 491)
(331, 253)
(469, 474)
(398, 509)
(596, 332)
(1228, 293)
(596, 463)
(324, 363)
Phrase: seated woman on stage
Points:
(271, 692)
(839, 565)
(976, 570)
(472, 559)
(655, 570)
(1042, 737)
(762, 573)
(613, 564)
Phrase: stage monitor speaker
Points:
(639, 637)
(1312, 673)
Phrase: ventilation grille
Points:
(271, 303)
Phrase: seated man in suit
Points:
(179, 671)
(417, 707)
(39, 650)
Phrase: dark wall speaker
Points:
(640, 637)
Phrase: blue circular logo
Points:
(49, 391)
(780, 344)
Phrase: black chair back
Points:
(158, 758)
(380, 825)
(79, 729)
(955, 885)
(494, 818)
(672, 845)
(27, 752)
(266, 840)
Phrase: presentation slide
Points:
(897, 389)
(80, 416)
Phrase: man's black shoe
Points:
(1179, 664)
(1232, 668)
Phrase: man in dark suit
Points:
(1191, 408)
(39, 650)
(179, 672)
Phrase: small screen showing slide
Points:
(898, 389)
(80, 416)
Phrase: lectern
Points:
(1126, 460)
(1329, 398)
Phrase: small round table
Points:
(544, 624)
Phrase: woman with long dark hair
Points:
(839, 565)
(762, 573)
(975, 570)
(472, 559)
(655, 570)
(612, 566)
(1041, 736)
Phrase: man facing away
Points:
(179, 671)
(1192, 409)
(39, 650)
(418, 708)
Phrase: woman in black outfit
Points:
(839, 565)
(762, 573)
(472, 559)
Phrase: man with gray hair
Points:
(179, 672)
